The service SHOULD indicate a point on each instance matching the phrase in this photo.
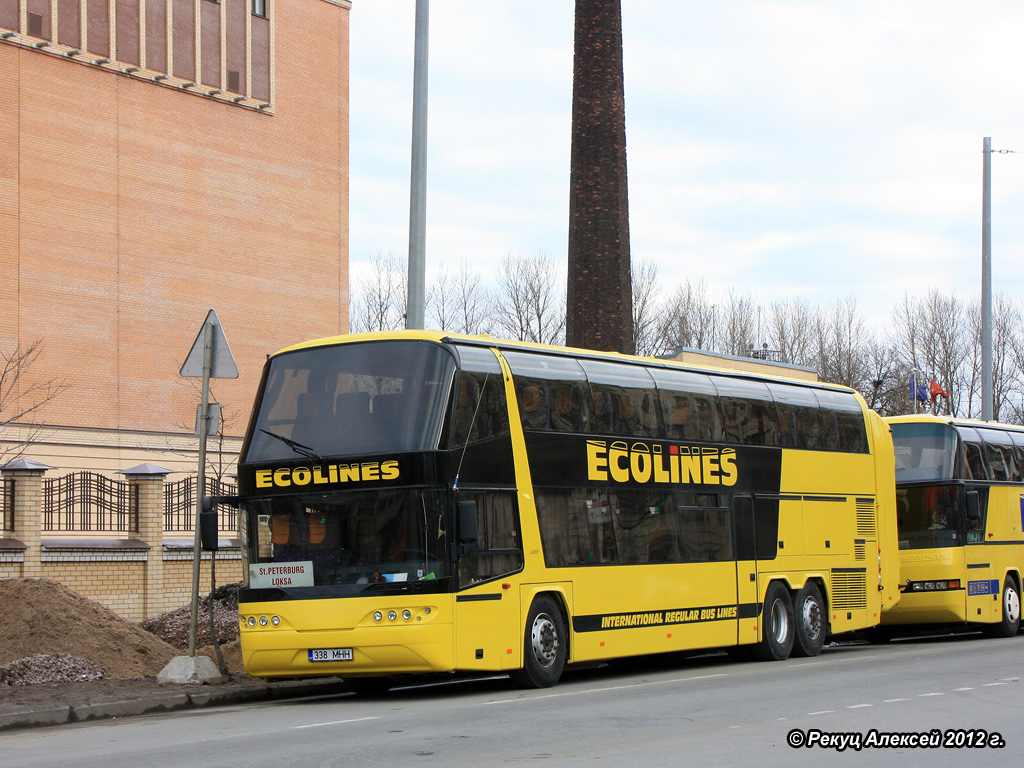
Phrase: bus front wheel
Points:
(776, 625)
(811, 621)
(544, 646)
(1010, 622)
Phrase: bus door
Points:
(983, 565)
(487, 621)
(747, 589)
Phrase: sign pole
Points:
(204, 428)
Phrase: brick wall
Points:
(154, 204)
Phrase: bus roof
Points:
(443, 337)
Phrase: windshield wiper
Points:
(303, 450)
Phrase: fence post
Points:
(148, 481)
(28, 511)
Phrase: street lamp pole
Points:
(986, 283)
(415, 312)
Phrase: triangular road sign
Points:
(222, 365)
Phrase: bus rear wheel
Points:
(811, 621)
(544, 646)
(776, 625)
(1010, 622)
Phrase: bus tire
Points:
(544, 645)
(776, 625)
(1010, 621)
(811, 621)
(369, 686)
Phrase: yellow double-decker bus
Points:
(419, 502)
(960, 514)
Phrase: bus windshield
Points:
(924, 451)
(930, 516)
(351, 399)
(355, 540)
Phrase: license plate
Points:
(330, 654)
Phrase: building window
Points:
(259, 8)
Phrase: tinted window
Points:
(973, 455)
(552, 392)
(924, 451)
(624, 399)
(800, 422)
(1018, 445)
(600, 526)
(480, 410)
(748, 413)
(1000, 454)
(689, 405)
(929, 517)
(843, 421)
(352, 398)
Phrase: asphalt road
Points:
(706, 711)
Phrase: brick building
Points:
(159, 158)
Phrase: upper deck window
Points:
(350, 399)
(924, 451)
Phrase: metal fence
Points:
(87, 501)
(180, 504)
(7, 504)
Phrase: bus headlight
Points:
(377, 615)
(406, 614)
(392, 615)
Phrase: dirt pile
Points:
(44, 618)
(173, 627)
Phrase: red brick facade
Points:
(131, 205)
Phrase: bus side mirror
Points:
(468, 531)
(208, 525)
(973, 505)
(208, 520)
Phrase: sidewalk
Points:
(60, 703)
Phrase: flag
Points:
(918, 392)
(935, 390)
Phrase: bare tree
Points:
(645, 309)
(739, 324)
(842, 341)
(789, 329)
(22, 395)
(459, 302)
(380, 298)
(689, 318)
(528, 303)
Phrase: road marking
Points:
(860, 706)
(333, 722)
(823, 712)
(893, 701)
(969, 688)
(989, 685)
(922, 695)
(607, 689)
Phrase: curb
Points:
(204, 696)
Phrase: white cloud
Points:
(794, 148)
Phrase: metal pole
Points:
(418, 186)
(986, 283)
(204, 419)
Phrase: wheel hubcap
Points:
(1011, 605)
(811, 614)
(780, 621)
(544, 640)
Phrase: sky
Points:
(812, 149)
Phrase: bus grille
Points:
(859, 550)
(866, 518)
(849, 591)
